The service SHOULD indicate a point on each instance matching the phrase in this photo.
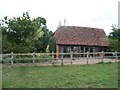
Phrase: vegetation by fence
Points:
(71, 58)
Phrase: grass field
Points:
(79, 76)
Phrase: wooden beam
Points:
(93, 51)
(70, 50)
(62, 52)
(84, 50)
(57, 51)
(89, 49)
(62, 49)
(79, 51)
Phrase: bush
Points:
(101, 62)
(104, 62)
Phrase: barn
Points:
(80, 39)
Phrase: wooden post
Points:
(102, 55)
(70, 51)
(116, 57)
(57, 51)
(84, 51)
(71, 55)
(61, 51)
(93, 52)
(33, 57)
(52, 54)
(53, 58)
(62, 60)
(88, 49)
(79, 51)
(12, 57)
(87, 56)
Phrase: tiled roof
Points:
(72, 35)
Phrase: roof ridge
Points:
(82, 27)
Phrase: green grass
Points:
(79, 76)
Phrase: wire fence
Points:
(63, 58)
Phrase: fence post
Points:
(61, 59)
(102, 55)
(87, 56)
(53, 58)
(33, 57)
(116, 57)
(12, 57)
(71, 55)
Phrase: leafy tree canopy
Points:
(23, 34)
(114, 37)
(115, 34)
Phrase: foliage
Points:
(6, 45)
(114, 37)
(80, 76)
(115, 34)
(42, 42)
(23, 34)
(114, 44)
(52, 44)
(101, 62)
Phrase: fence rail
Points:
(50, 58)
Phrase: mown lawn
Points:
(79, 76)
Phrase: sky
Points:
(86, 13)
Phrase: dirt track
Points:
(81, 61)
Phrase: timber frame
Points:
(80, 40)
(78, 49)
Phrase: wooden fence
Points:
(50, 58)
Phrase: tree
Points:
(52, 44)
(6, 45)
(114, 37)
(0, 38)
(43, 42)
(21, 33)
(115, 34)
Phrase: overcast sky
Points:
(86, 13)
